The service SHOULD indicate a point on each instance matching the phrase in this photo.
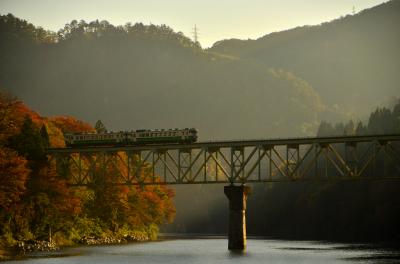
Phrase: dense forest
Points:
(344, 211)
(148, 76)
(353, 211)
(351, 62)
(136, 76)
(37, 204)
(382, 121)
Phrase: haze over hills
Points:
(151, 77)
(283, 84)
(147, 76)
(352, 62)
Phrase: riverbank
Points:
(22, 248)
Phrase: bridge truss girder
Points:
(230, 164)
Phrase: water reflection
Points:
(194, 251)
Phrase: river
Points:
(214, 250)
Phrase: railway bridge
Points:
(235, 163)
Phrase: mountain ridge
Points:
(140, 76)
(148, 76)
(350, 55)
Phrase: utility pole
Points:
(354, 10)
(195, 34)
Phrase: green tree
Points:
(325, 129)
(396, 117)
(339, 129)
(361, 129)
(45, 136)
(381, 121)
(100, 128)
(349, 128)
(29, 143)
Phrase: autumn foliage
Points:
(36, 203)
(13, 176)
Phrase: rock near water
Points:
(113, 240)
(37, 245)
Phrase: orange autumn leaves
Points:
(13, 175)
(34, 198)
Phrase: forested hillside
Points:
(352, 62)
(36, 204)
(147, 76)
(337, 210)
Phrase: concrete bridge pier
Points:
(237, 196)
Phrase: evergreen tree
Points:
(45, 136)
(361, 129)
(381, 121)
(29, 142)
(325, 129)
(396, 117)
(349, 128)
(339, 129)
(100, 128)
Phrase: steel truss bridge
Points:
(235, 162)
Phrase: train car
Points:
(138, 137)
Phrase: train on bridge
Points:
(138, 137)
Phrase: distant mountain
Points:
(352, 62)
(146, 76)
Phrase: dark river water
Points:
(214, 250)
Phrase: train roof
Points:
(138, 130)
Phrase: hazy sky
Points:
(215, 19)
